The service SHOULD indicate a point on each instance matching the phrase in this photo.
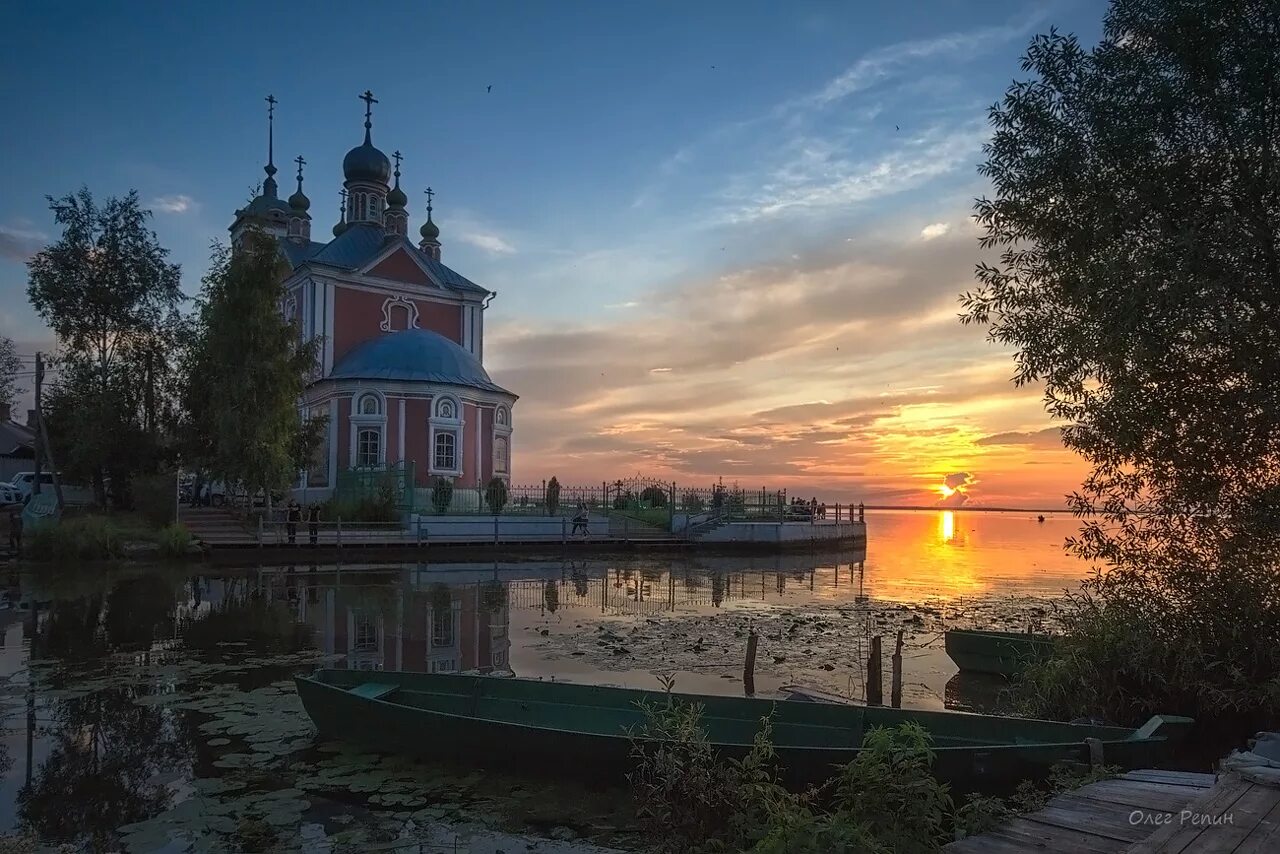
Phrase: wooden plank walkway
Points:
(1095, 819)
(1239, 815)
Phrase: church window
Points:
(446, 452)
(502, 415)
(368, 448)
(366, 633)
(500, 455)
(369, 405)
(442, 628)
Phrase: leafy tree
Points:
(10, 366)
(1136, 207)
(109, 293)
(441, 493)
(654, 496)
(242, 406)
(553, 496)
(495, 495)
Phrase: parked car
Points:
(24, 482)
(9, 494)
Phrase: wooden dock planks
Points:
(1095, 819)
(1236, 816)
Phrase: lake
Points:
(151, 708)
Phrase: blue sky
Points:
(635, 167)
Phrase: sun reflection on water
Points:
(947, 526)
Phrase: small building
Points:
(401, 375)
(17, 443)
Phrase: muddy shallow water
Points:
(152, 709)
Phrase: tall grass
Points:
(76, 538)
(886, 801)
(174, 540)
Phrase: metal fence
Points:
(375, 492)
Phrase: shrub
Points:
(654, 496)
(441, 494)
(692, 502)
(495, 495)
(174, 540)
(886, 801)
(155, 497)
(553, 496)
(76, 538)
(1124, 660)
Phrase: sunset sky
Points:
(727, 238)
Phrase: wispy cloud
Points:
(933, 230)
(178, 204)
(19, 244)
(890, 60)
(821, 177)
(487, 241)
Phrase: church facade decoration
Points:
(400, 377)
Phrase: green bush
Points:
(553, 496)
(886, 801)
(692, 502)
(1130, 653)
(155, 497)
(174, 540)
(495, 495)
(441, 494)
(653, 496)
(76, 538)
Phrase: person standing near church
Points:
(313, 523)
(292, 518)
(15, 529)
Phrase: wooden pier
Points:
(1095, 819)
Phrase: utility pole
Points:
(35, 487)
(42, 440)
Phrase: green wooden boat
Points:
(582, 730)
(1001, 653)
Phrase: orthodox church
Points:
(401, 375)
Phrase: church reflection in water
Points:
(375, 619)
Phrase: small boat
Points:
(584, 731)
(1001, 653)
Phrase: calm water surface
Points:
(151, 709)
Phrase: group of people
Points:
(294, 517)
(811, 508)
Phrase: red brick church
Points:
(401, 376)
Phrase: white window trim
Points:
(437, 425)
(381, 432)
(500, 431)
(358, 422)
(456, 432)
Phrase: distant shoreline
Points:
(962, 508)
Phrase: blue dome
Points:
(416, 355)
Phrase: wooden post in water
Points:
(749, 668)
(895, 686)
(875, 675)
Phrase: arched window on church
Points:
(370, 405)
(398, 317)
(368, 448)
(500, 455)
(446, 452)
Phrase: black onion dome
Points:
(366, 163)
